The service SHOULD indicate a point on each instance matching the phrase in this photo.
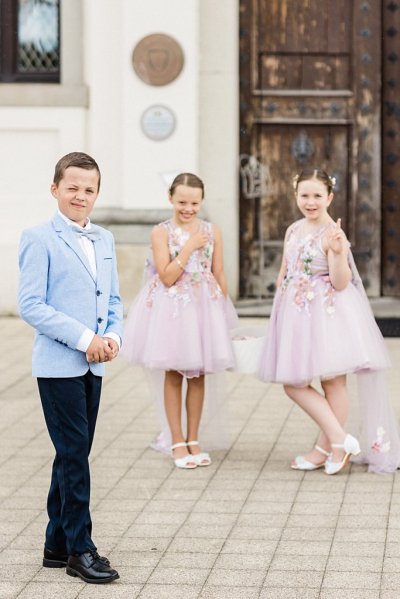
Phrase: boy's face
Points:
(76, 193)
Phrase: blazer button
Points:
(99, 320)
(98, 292)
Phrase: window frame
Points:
(9, 49)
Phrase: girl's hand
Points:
(336, 240)
(198, 240)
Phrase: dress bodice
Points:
(307, 269)
(197, 271)
(201, 259)
(304, 254)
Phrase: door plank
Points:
(310, 81)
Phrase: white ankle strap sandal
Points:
(302, 464)
(187, 462)
(202, 458)
(351, 447)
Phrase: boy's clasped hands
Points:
(102, 349)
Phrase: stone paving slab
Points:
(247, 527)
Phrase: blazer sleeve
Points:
(34, 263)
(115, 308)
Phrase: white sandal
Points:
(301, 464)
(202, 458)
(187, 462)
(351, 447)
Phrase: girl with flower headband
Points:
(178, 327)
(322, 327)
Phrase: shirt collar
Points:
(70, 222)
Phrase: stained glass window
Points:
(30, 40)
(38, 38)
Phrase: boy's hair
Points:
(79, 159)
(187, 179)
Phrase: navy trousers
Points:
(70, 407)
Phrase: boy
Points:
(69, 294)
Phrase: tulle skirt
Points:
(187, 333)
(378, 432)
(320, 339)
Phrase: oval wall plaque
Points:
(157, 59)
(158, 122)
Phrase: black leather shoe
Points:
(101, 558)
(91, 568)
(54, 559)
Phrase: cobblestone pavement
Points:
(246, 527)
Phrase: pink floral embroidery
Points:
(179, 293)
(379, 446)
(305, 280)
(304, 293)
(213, 288)
(152, 290)
(197, 271)
(329, 296)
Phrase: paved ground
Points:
(247, 527)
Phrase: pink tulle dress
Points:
(186, 328)
(318, 332)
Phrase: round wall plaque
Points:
(158, 122)
(157, 59)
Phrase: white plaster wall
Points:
(31, 142)
(134, 165)
(219, 124)
(104, 75)
(204, 99)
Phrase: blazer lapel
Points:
(100, 252)
(63, 231)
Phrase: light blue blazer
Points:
(60, 298)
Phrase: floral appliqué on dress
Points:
(305, 280)
(197, 271)
(379, 445)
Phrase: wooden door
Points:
(310, 96)
(391, 148)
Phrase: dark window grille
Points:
(30, 41)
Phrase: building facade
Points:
(101, 105)
(244, 93)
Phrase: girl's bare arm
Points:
(337, 248)
(217, 266)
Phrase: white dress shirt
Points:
(87, 247)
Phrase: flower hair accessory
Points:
(296, 178)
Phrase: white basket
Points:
(247, 345)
